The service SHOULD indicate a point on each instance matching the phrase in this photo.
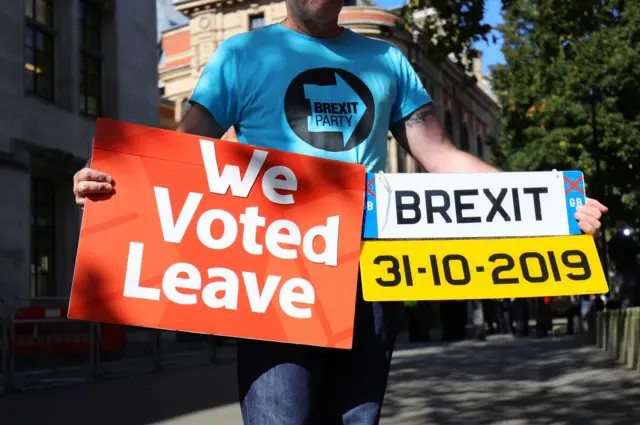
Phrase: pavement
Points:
(498, 381)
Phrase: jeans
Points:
(287, 384)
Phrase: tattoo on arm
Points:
(419, 116)
(399, 129)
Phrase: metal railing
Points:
(618, 334)
(40, 347)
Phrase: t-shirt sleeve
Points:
(216, 89)
(411, 93)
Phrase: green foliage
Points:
(555, 51)
(454, 29)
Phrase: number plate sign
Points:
(481, 268)
(474, 205)
(476, 236)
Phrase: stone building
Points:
(467, 112)
(62, 63)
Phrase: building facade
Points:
(466, 112)
(62, 64)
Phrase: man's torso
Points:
(331, 98)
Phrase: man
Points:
(309, 86)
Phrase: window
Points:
(42, 239)
(90, 57)
(480, 147)
(349, 2)
(38, 48)
(465, 145)
(256, 21)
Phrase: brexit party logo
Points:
(330, 109)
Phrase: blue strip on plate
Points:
(574, 194)
(370, 228)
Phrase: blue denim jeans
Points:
(287, 384)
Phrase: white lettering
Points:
(270, 183)
(294, 290)
(288, 297)
(229, 286)
(274, 238)
(230, 177)
(132, 286)
(575, 202)
(228, 235)
(259, 302)
(330, 235)
(171, 282)
(251, 221)
(278, 233)
(173, 232)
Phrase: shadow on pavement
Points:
(137, 400)
(523, 381)
(500, 381)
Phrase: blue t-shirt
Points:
(331, 98)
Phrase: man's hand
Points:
(92, 184)
(96, 185)
(589, 215)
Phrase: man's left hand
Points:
(588, 216)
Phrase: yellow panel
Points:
(481, 268)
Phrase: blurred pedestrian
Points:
(573, 312)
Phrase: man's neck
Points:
(312, 29)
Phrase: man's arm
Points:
(423, 137)
(199, 121)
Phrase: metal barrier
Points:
(40, 347)
(618, 334)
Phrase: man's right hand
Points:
(90, 183)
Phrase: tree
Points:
(555, 52)
(454, 28)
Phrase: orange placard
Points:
(216, 237)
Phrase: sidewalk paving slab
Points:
(499, 381)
